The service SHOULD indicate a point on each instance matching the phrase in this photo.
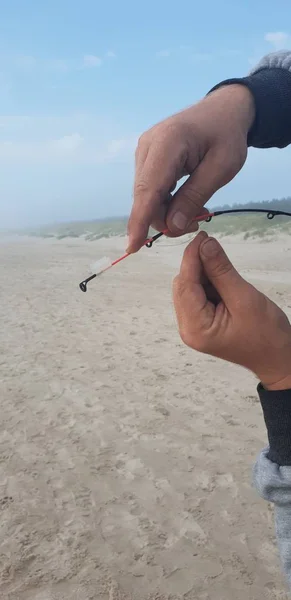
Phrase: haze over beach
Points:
(125, 457)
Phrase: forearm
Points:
(272, 472)
(270, 84)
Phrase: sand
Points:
(126, 457)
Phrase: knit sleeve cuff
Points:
(271, 90)
(276, 407)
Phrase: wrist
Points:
(238, 101)
(274, 372)
(283, 383)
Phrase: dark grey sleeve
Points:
(270, 84)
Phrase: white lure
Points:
(100, 265)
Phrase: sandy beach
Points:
(125, 457)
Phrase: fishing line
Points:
(105, 264)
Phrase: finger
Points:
(159, 221)
(209, 176)
(221, 273)
(191, 270)
(194, 225)
(159, 173)
(195, 313)
(160, 224)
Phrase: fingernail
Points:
(210, 248)
(179, 221)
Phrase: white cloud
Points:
(111, 54)
(44, 151)
(68, 144)
(57, 64)
(278, 39)
(72, 148)
(163, 54)
(91, 61)
(73, 139)
(116, 148)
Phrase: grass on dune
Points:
(249, 225)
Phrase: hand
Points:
(207, 141)
(219, 313)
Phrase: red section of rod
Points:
(199, 218)
(119, 259)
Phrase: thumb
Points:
(221, 272)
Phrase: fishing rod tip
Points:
(83, 286)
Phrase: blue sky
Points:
(79, 82)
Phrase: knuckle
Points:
(158, 131)
(141, 186)
(192, 339)
(143, 143)
(169, 132)
(171, 128)
(143, 140)
(195, 198)
(186, 337)
(144, 189)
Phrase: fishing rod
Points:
(105, 264)
(217, 213)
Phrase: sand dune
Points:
(126, 458)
